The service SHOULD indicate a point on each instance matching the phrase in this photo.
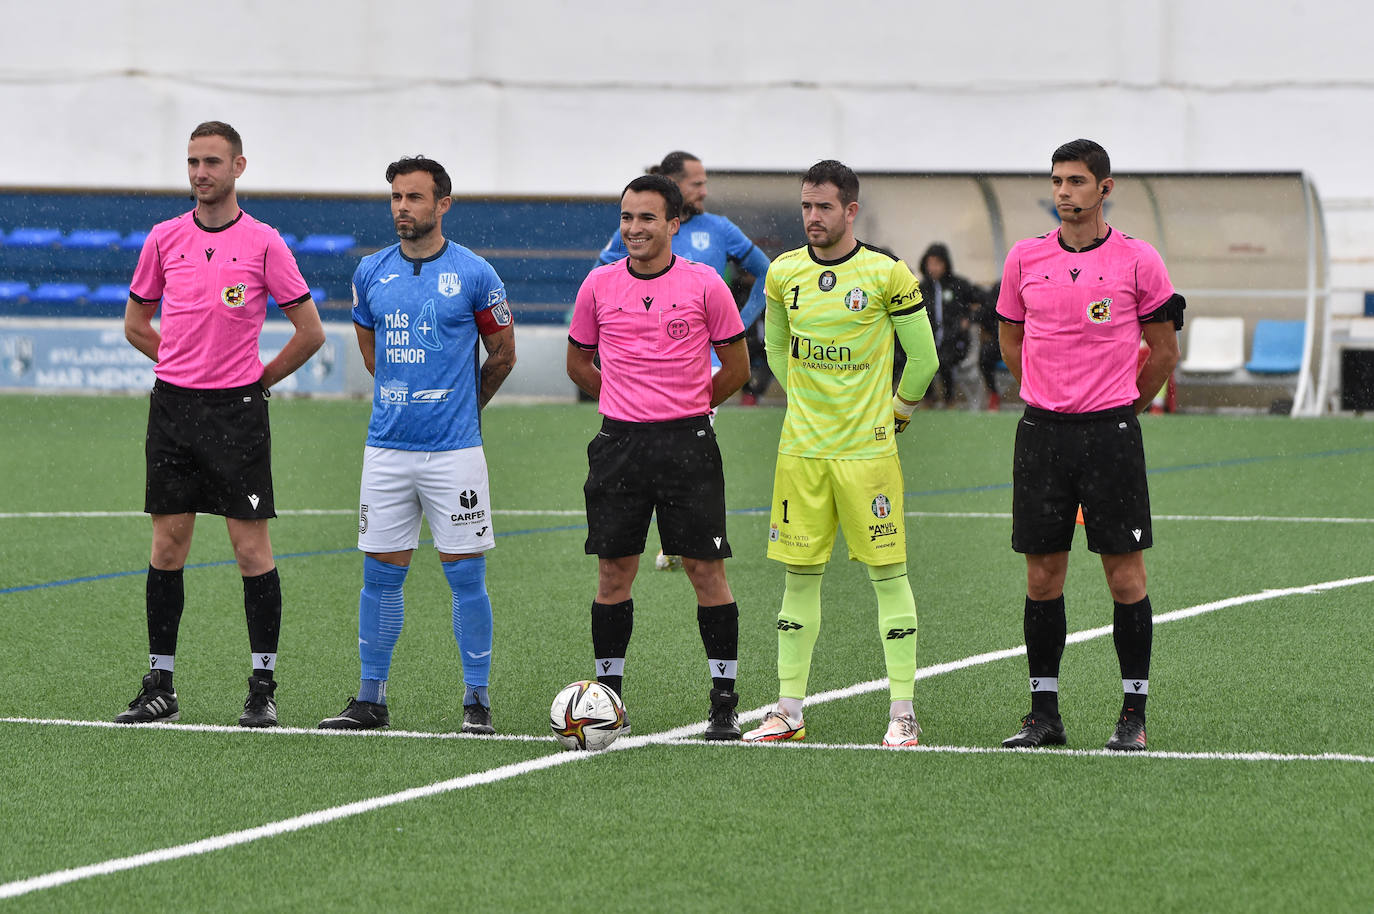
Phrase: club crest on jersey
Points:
(449, 284)
(234, 296)
(826, 281)
(856, 300)
(701, 241)
(881, 507)
(677, 328)
(500, 313)
(1100, 311)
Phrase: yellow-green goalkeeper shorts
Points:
(812, 496)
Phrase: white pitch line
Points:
(1058, 753)
(333, 814)
(272, 829)
(1204, 518)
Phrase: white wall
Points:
(539, 96)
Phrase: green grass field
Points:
(1257, 794)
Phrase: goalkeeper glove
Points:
(901, 413)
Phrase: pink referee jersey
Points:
(213, 285)
(1082, 312)
(654, 335)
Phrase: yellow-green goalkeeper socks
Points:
(799, 622)
(897, 627)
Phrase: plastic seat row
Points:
(1216, 346)
(58, 293)
(103, 239)
(81, 239)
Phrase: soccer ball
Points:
(586, 715)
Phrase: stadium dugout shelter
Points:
(1244, 245)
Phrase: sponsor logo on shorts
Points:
(468, 499)
(856, 299)
(1100, 311)
(826, 282)
(677, 328)
(467, 518)
(362, 519)
(234, 296)
(887, 528)
(881, 507)
(449, 284)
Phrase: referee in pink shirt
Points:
(209, 444)
(654, 319)
(1073, 307)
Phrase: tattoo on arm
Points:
(497, 366)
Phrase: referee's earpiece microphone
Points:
(1079, 209)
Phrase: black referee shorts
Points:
(637, 469)
(1096, 460)
(209, 452)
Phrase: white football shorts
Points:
(449, 488)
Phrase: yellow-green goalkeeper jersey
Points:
(835, 321)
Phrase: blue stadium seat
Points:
(326, 244)
(12, 291)
(289, 238)
(1276, 347)
(317, 294)
(33, 237)
(110, 293)
(88, 239)
(59, 293)
(134, 240)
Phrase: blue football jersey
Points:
(427, 352)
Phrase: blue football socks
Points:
(467, 578)
(381, 612)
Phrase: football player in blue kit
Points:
(420, 308)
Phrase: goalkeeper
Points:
(832, 309)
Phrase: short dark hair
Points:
(443, 186)
(674, 164)
(662, 186)
(1091, 154)
(219, 128)
(829, 171)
